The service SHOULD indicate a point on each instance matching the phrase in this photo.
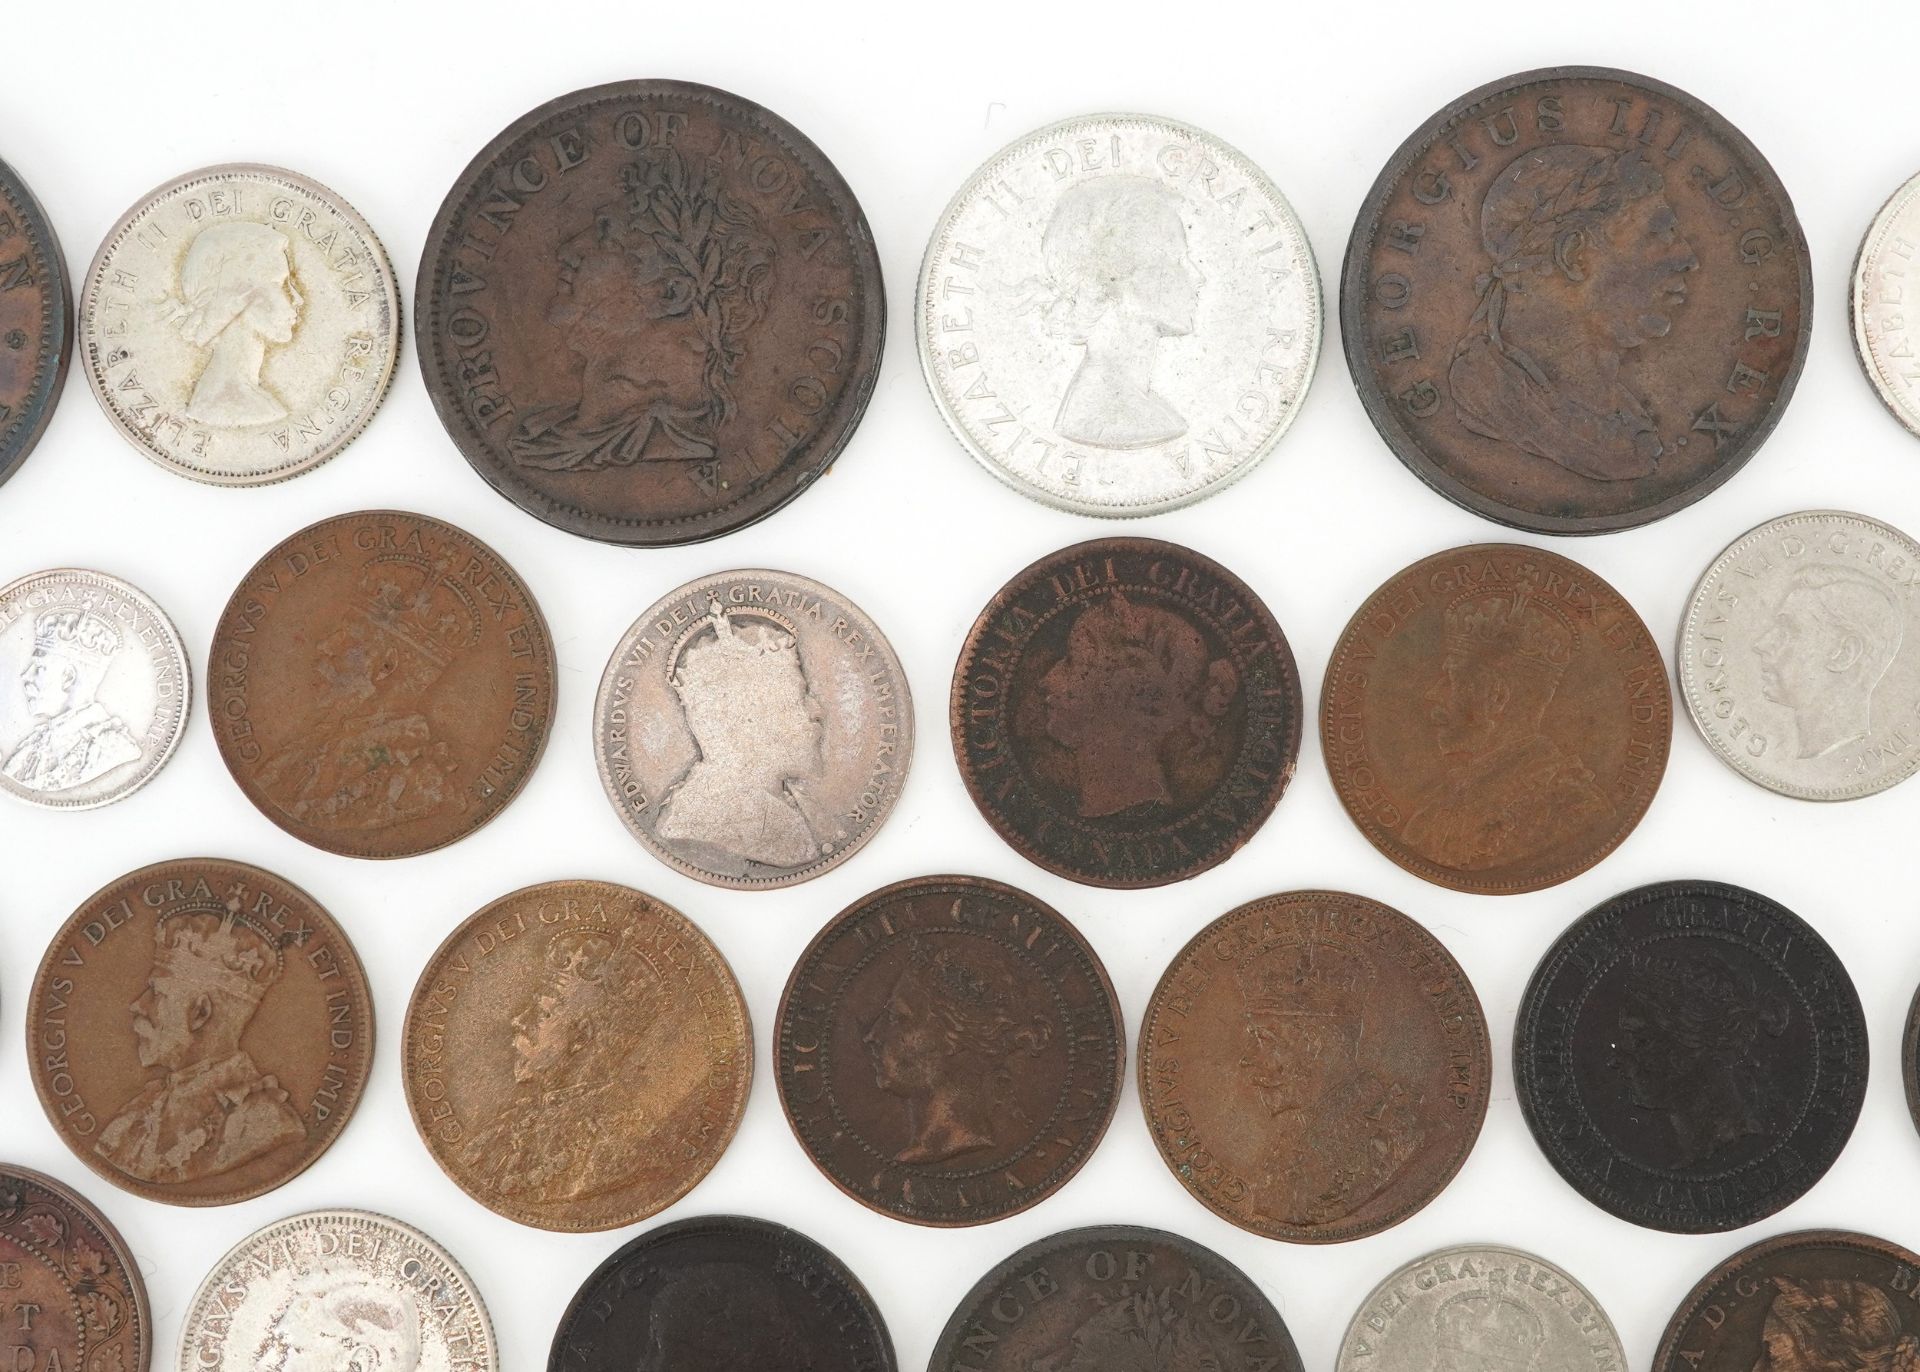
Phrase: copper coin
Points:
(36, 321)
(1910, 1058)
(577, 1055)
(70, 1294)
(200, 1032)
(650, 312)
(1314, 1067)
(1576, 300)
(1126, 713)
(1496, 719)
(382, 684)
(950, 1050)
(1806, 1302)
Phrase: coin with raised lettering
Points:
(1576, 300)
(1910, 1059)
(722, 1292)
(1126, 713)
(949, 1050)
(36, 321)
(1690, 1056)
(382, 684)
(1882, 304)
(1496, 719)
(1314, 1067)
(577, 1055)
(200, 1031)
(650, 312)
(70, 1292)
(240, 324)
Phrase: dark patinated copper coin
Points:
(722, 1293)
(949, 1050)
(1126, 712)
(1690, 1056)
(1910, 1059)
(1576, 300)
(650, 312)
(36, 321)
(70, 1294)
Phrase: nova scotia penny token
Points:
(1119, 314)
(1799, 656)
(240, 325)
(949, 1050)
(200, 1032)
(73, 1297)
(650, 312)
(36, 321)
(1690, 1056)
(1576, 300)
(382, 684)
(1126, 713)
(1496, 719)
(577, 1056)
(722, 1292)
(1881, 304)
(1314, 1067)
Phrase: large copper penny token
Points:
(72, 1297)
(949, 1050)
(382, 684)
(200, 1032)
(1126, 712)
(1576, 300)
(36, 321)
(1496, 719)
(1314, 1067)
(577, 1055)
(650, 312)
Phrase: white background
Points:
(387, 104)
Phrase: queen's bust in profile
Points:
(237, 296)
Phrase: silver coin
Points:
(1479, 1306)
(1885, 304)
(94, 689)
(1799, 656)
(753, 729)
(1119, 315)
(337, 1289)
(240, 325)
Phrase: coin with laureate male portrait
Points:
(1576, 300)
(70, 1293)
(36, 321)
(1882, 304)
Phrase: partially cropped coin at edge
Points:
(72, 1295)
(36, 321)
(1882, 304)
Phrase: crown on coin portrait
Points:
(1317, 979)
(1512, 624)
(1489, 1330)
(591, 955)
(79, 634)
(717, 649)
(420, 603)
(217, 946)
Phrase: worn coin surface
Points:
(200, 1031)
(1119, 314)
(382, 684)
(338, 1289)
(1479, 1307)
(650, 312)
(1113, 1296)
(1314, 1067)
(1126, 712)
(1910, 1058)
(94, 689)
(72, 1298)
(1576, 300)
(240, 324)
(1496, 719)
(722, 1292)
(1690, 1056)
(753, 729)
(1799, 656)
(1882, 304)
(1820, 1298)
(36, 321)
(577, 1055)
(949, 1050)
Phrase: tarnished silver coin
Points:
(1119, 314)
(1799, 655)
(338, 1289)
(1885, 304)
(753, 729)
(240, 325)
(1476, 1307)
(94, 689)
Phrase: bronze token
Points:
(1314, 1067)
(1576, 300)
(1126, 713)
(950, 1051)
(71, 1296)
(577, 1056)
(200, 1032)
(382, 684)
(1496, 719)
(650, 312)
(36, 321)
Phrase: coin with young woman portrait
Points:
(36, 321)
(1882, 304)
(70, 1292)
(1576, 300)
